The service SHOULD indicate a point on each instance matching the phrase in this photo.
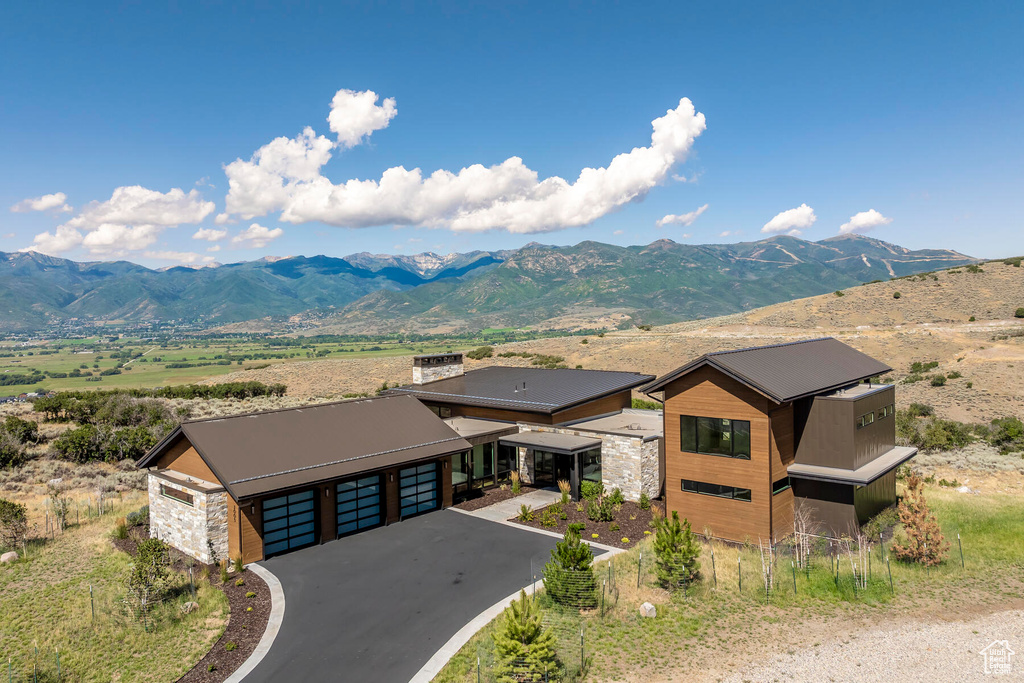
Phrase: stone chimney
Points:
(435, 366)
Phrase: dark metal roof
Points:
(535, 390)
(259, 453)
(786, 372)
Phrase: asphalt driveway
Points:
(377, 605)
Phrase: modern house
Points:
(265, 483)
(751, 433)
(534, 420)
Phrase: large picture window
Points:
(715, 436)
(716, 490)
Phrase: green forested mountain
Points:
(663, 281)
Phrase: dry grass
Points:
(714, 631)
(45, 603)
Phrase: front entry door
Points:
(550, 468)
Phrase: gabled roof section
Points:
(259, 453)
(786, 372)
(534, 390)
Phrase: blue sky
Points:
(816, 111)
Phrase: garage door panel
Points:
(418, 489)
(358, 505)
(289, 522)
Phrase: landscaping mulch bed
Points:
(245, 628)
(632, 521)
(481, 499)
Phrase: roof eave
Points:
(157, 450)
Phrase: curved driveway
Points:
(377, 605)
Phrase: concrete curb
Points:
(462, 636)
(273, 624)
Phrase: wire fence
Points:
(577, 607)
(101, 606)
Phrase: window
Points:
(441, 411)
(865, 420)
(508, 461)
(714, 436)
(886, 411)
(716, 490)
(177, 494)
(781, 485)
(590, 465)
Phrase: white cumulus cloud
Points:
(863, 221)
(132, 219)
(683, 219)
(210, 234)
(285, 176)
(256, 236)
(354, 115)
(215, 247)
(791, 222)
(57, 200)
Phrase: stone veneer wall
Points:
(628, 463)
(432, 373)
(189, 527)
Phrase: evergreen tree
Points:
(526, 650)
(676, 553)
(925, 543)
(569, 575)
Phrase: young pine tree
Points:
(676, 553)
(925, 543)
(526, 650)
(569, 574)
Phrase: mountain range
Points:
(663, 281)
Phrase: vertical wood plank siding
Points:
(783, 454)
(709, 393)
(182, 457)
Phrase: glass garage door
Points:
(289, 522)
(418, 489)
(359, 505)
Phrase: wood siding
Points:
(783, 454)
(182, 457)
(602, 406)
(709, 393)
(250, 529)
(234, 529)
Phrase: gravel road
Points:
(914, 652)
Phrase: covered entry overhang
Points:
(560, 457)
(566, 444)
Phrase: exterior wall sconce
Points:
(252, 508)
(391, 476)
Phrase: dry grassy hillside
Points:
(929, 322)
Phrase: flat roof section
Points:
(551, 441)
(536, 390)
(862, 476)
(646, 424)
(473, 428)
(856, 391)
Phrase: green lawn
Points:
(45, 605)
(689, 630)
